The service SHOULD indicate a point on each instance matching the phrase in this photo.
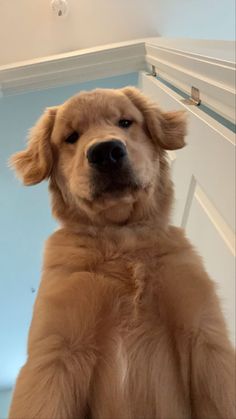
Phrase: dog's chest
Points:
(136, 359)
(140, 373)
(144, 364)
(125, 263)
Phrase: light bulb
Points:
(60, 7)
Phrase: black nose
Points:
(108, 154)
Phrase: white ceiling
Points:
(30, 29)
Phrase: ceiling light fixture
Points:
(59, 7)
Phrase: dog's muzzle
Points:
(111, 171)
(107, 156)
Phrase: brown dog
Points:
(126, 323)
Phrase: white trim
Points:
(207, 65)
(74, 67)
(215, 50)
(214, 78)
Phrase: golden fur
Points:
(126, 323)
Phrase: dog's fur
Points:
(126, 323)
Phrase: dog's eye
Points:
(125, 123)
(72, 138)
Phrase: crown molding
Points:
(74, 67)
(204, 64)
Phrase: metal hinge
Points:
(153, 73)
(194, 99)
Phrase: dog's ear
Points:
(35, 163)
(168, 129)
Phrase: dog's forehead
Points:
(99, 104)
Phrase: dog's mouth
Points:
(115, 183)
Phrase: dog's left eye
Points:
(125, 123)
(72, 138)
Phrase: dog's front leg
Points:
(46, 389)
(213, 374)
(54, 383)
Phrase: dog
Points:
(126, 323)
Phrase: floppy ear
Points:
(166, 128)
(35, 163)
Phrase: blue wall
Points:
(5, 398)
(25, 220)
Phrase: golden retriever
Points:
(126, 324)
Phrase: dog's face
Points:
(104, 154)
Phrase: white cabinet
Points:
(204, 178)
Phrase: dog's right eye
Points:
(125, 123)
(72, 138)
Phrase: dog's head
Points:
(104, 152)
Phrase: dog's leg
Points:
(205, 354)
(54, 383)
(47, 387)
(213, 375)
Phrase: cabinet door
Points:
(204, 178)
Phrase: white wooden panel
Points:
(204, 178)
(206, 231)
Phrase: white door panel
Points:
(204, 178)
(202, 227)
